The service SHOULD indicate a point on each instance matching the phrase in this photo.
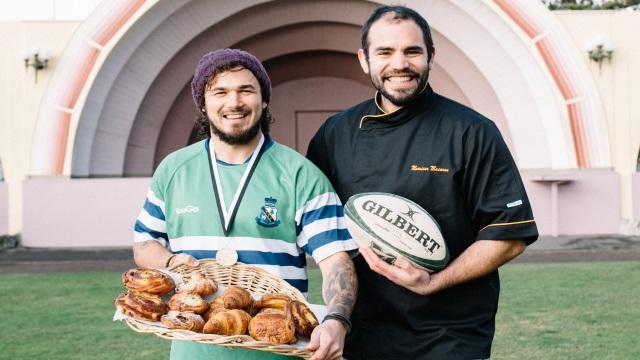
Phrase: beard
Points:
(237, 138)
(404, 97)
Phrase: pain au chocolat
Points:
(303, 318)
(274, 327)
(148, 280)
(274, 301)
(183, 320)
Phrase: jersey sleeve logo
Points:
(268, 216)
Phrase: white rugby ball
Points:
(392, 225)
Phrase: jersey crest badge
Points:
(268, 216)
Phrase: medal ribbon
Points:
(228, 215)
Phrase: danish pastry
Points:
(183, 320)
(142, 306)
(199, 285)
(188, 302)
(229, 322)
(148, 280)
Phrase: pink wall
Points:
(585, 202)
(62, 212)
(635, 193)
(4, 208)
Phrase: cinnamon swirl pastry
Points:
(148, 280)
(142, 306)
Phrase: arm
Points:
(340, 284)
(339, 290)
(152, 254)
(480, 259)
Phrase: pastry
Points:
(148, 280)
(183, 320)
(188, 302)
(235, 297)
(199, 285)
(229, 322)
(276, 301)
(215, 306)
(303, 318)
(270, 311)
(277, 328)
(142, 306)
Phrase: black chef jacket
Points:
(454, 163)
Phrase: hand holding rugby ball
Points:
(394, 226)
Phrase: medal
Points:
(226, 257)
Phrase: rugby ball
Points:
(392, 225)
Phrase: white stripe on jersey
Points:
(317, 227)
(152, 222)
(139, 237)
(151, 196)
(329, 198)
(331, 248)
(240, 243)
(284, 272)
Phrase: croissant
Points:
(270, 311)
(303, 318)
(183, 320)
(277, 328)
(141, 306)
(199, 285)
(230, 322)
(148, 280)
(216, 306)
(236, 298)
(188, 302)
(276, 301)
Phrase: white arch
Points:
(129, 62)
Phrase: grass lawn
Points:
(547, 311)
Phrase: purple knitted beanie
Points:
(211, 63)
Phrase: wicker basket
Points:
(256, 280)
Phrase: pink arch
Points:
(52, 132)
(557, 72)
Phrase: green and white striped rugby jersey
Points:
(289, 208)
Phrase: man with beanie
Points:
(240, 196)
